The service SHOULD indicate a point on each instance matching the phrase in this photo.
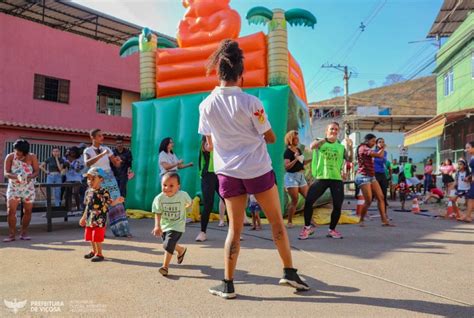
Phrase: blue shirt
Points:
(379, 163)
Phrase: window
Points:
(51, 88)
(448, 82)
(109, 101)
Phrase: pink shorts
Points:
(231, 187)
(94, 234)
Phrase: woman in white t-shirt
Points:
(100, 156)
(237, 130)
(167, 159)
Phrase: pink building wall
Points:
(27, 48)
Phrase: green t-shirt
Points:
(328, 161)
(172, 210)
(407, 170)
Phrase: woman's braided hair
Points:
(228, 60)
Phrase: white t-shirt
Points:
(463, 185)
(236, 122)
(169, 158)
(103, 162)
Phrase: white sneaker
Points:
(201, 237)
(221, 224)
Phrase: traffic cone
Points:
(449, 209)
(360, 204)
(452, 210)
(415, 207)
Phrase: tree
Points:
(391, 79)
(336, 91)
(278, 37)
(146, 45)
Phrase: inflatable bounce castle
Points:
(173, 83)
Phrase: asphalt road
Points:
(421, 268)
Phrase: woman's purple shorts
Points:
(231, 187)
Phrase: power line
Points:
(345, 43)
(353, 41)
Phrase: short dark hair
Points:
(22, 146)
(74, 152)
(119, 138)
(171, 174)
(94, 132)
(164, 145)
(334, 123)
(471, 143)
(369, 137)
(228, 60)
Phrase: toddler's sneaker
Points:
(305, 232)
(334, 234)
(291, 278)
(224, 290)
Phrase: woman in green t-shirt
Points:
(328, 165)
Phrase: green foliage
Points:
(259, 15)
(129, 47)
(300, 17)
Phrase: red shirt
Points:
(365, 162)
(438, 192)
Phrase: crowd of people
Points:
(234, 163)
(22, 168)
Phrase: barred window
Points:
(109, 101)
(51, 89)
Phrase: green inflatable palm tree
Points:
(278, 37)
(146, 45)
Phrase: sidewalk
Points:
(422, 267)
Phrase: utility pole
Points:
(347, 76)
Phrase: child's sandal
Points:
(181, 257)
(163, 271)
(89, 256)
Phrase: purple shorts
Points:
(231, 187)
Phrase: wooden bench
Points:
(50, 210)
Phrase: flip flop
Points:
(25, 237)
(388, 225)
(9, 239)
(181, 257)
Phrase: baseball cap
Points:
(95, 172)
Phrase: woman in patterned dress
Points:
(21, 169)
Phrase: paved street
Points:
(422, 267)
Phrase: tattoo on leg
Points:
(278, 235)
(232, 250)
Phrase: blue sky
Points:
(381, 49)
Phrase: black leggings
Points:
(316, 190)
(209, 185)
(383, 181)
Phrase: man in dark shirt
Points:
(124, 172)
